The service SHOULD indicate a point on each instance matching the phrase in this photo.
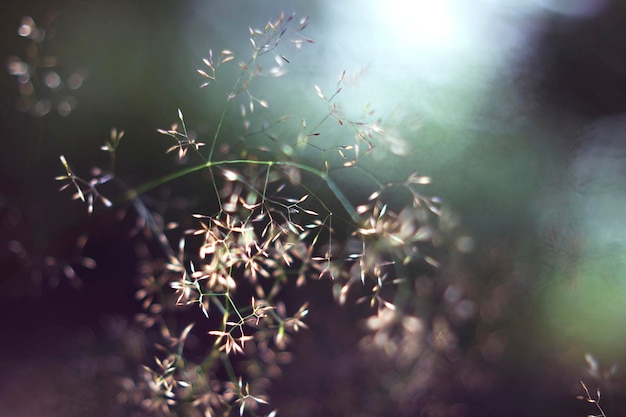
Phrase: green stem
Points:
(219, 127)
(341, 197)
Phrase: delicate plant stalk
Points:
(324, 176)
(590, 399)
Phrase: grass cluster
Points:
(215, 279)
(270, 231)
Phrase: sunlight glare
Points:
(424, 23)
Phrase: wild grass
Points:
(590, 399)
(214, 280)
(270, 231)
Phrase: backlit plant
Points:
(212, 283)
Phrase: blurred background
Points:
(516, 110)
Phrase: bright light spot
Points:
(42, 107)
(424, 23)
(16, 66)
(27, 26)
(28, 29)
(75, 81)
(66, 105)
(52, 80)
(434, 54)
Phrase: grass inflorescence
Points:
(212, 288)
